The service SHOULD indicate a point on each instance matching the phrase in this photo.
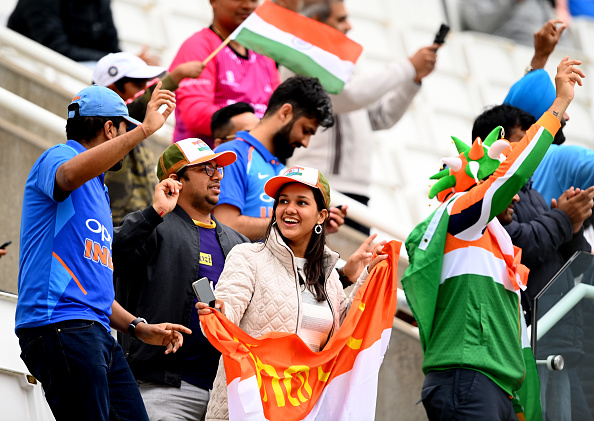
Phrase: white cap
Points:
(115, 66)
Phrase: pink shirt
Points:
(226, 79)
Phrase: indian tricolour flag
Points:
(303, 45)
(527, 405)
(277, 377)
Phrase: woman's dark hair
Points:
(85, 129)
(315, 278)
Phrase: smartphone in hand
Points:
(441, 34)
(204, 291)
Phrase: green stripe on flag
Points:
(292, 59)
(509, 188)
(529, 393)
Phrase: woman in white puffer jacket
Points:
(288, 283)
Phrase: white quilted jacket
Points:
(260, 288)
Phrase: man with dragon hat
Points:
(465, 276)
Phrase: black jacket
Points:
(155, 262)
(82, 30)
(545, 237)
(547, 241)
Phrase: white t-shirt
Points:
(317, 316)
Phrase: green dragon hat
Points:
(474, 163)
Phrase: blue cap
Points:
(534, 93)
(97, 101)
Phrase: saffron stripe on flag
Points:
(360, 382)
(298, 62)
(276, 376)
(310, 31)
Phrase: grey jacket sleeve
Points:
(362, 91)
(391, 107)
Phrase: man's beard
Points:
(118, 165)
(560, 136)
(282, 149)
(205, 203)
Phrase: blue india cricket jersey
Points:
(243, 183)
(65, 268)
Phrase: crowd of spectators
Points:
(226, 204)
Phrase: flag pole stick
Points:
(215, 52)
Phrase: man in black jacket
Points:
(157, 254)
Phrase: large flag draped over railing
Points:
(303, 45)
(277, 377)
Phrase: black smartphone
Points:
(441, 34)
(3, 246)
(204, 291)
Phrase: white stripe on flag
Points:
(341, 69)
(470, 233)
(244, 400)
(478, 261)
(353, 395)
(524, 333)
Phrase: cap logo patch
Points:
(112, 71)
(295, 170)
(76, 98)
(201, 145)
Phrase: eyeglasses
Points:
(210, 170)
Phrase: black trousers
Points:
(460, 394)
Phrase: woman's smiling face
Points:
(297, 214)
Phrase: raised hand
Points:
(545, 41)
(424, 61)
(154, 119)
(335, 218)
(190, 69)
(568, 74)
(166, 195)
(362, 257)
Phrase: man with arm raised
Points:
(66, 299)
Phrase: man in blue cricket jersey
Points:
(66, 297)
(295, 111)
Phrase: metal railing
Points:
(30, 54)
(41, 54)
(564, 306)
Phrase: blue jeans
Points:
(82, 370)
